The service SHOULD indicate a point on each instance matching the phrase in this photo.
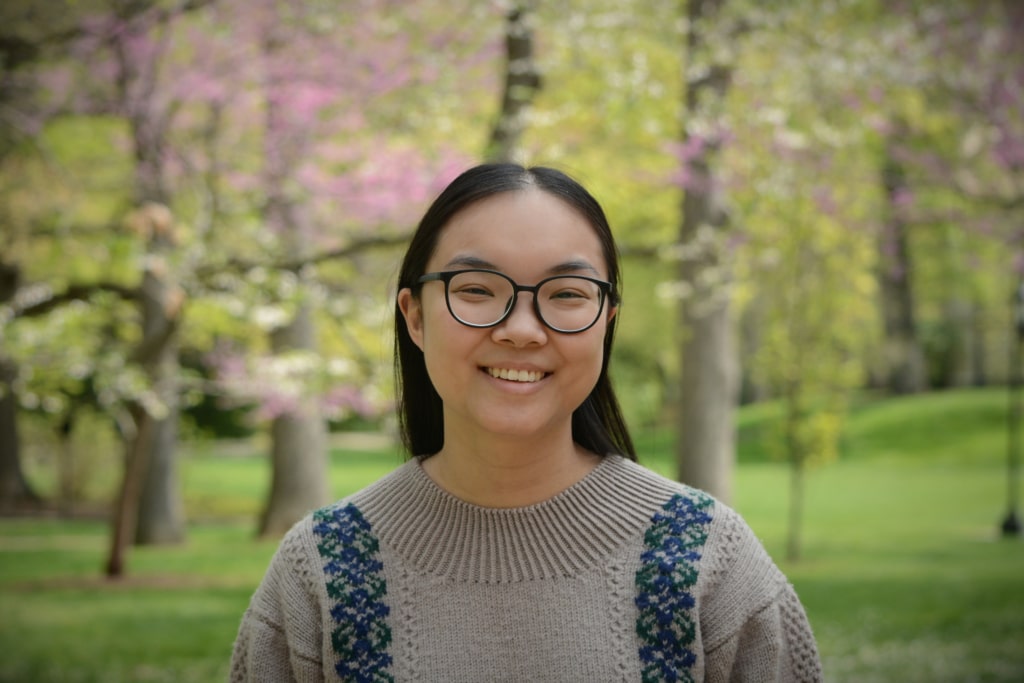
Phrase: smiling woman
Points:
(521, 541)
(527, 236)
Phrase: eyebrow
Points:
(470, 262)
(572, 266)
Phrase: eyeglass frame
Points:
(604, 287)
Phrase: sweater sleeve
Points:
(280, 635)
(753, 624)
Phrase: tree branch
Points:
(40, 305)
(351, 249)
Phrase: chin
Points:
(521, 429)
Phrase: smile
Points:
(516, 375)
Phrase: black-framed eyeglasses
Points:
(484, 298)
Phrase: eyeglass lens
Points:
(566, 303)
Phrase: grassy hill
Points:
(904, 575)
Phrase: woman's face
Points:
(518, 378)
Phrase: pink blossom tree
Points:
(270, 135)
(327, 178)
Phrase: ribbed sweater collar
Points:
(575, 530)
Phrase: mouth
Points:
(511, 375)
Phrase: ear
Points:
(612, 312)
(412, 311)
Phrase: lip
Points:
(515, 373)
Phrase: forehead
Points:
(525, 231)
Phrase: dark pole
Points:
(1011, 525)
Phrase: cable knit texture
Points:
(626, 576)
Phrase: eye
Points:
(472, 290)
(570, 291)
(474, 286)
(568, 294)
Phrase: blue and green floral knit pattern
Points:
(666, 621)
(670, 564)
(356, 587)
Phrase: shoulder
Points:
(738, 579)
(317, 542)
(723, 541)
(735, 552)
(347, 534)
(345, 543)
(751, 619)
(708, 546)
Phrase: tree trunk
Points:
(751, 389)
(966, 362)
(155, 496)
(67, 485)
(707, 442)
(705, 447)
(522, 81)
(149, 508)
(906, 372)
(15, 492)
(125, 518)
(299, 445)
(298, 438)
(161, 517)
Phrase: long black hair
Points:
(597, 424)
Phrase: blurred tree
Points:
(904, 355)
(298, 435)
(705, 447)
(815, 302)
(326, 185)
(138, 48)
(261, 237)
(803, 162)
(149, 505)
(309, 105)
(30, 37)
(966, 165)
(15, 491)
(33, 35)
(522, 80)
(43, 41)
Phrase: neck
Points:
(506, 474)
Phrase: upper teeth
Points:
(515, 375)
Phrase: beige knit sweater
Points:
(626, 576)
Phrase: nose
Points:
(522, 327)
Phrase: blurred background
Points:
(203, 203)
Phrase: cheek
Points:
(589, 354)
(446, 343)
(438, 325)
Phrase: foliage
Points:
(206, 68)
(953, 117)
(381, 104)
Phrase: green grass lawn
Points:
(904, 575)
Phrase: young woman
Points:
(522, 542)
